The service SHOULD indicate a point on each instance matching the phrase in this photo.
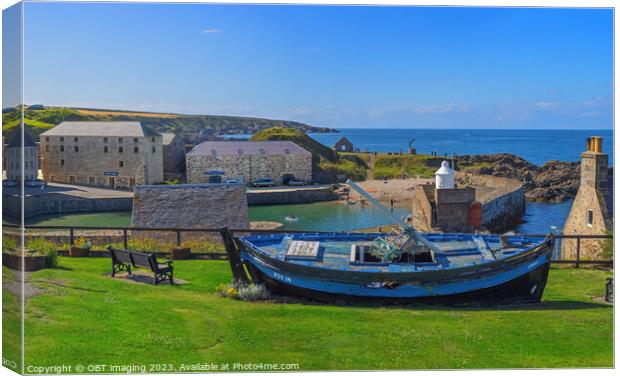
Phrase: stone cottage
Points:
(343, 145)
(110, 154)
(248, 161)
(13, 156)
(592, 210)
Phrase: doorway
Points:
(112, 182)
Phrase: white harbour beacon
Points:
(444, 177)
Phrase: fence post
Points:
(125, 238)
(178, 238)
(578, 251)
(71, 236)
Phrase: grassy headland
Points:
(193, 126)
(81, 315)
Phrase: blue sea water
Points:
(536, 146)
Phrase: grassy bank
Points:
(83, 316)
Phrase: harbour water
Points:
(320, 216)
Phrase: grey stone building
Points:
(210, 206)
(110, 154)
(592, 210)
(248, 161)
(343, 145)
(13, 157)
(174, 156)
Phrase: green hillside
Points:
(194, 127)
(327, 165)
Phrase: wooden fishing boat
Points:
(401, 265)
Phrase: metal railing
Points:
(179, 240)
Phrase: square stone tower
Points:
(592, 210)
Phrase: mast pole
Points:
(408, 228)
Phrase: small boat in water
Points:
(401, 265)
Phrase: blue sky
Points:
(393, 67)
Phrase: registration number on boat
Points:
(282, 278)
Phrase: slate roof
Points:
(190, 206)
(248, 147)
(16, 140)
(101, 128)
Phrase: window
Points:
(62, 139)
(262, 151)
(76, 149)
(287, 151)
(121, 163)
(47, 148)
(240, 151)
(75, 139)
(589, 217)
(120, 140)
(105, 149)
(105, 139)
(153, 149)
(120, 149)
(135, 140)
(135, 149)
(152, 139)
(62, 162)
(62, 148)
(47, 138)
(91, 180)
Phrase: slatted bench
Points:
(123, 259)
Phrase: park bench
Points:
(123, 259)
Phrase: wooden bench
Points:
(123, 259)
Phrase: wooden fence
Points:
(179, 231)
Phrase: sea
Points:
(536, 146)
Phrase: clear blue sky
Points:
(328, 66)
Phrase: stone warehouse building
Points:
(592, 210)
(110, 154)
(174, 156)
(248, 161)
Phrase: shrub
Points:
(41, 246)
(253, 292)
(249, 292)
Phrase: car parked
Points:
(296, 183)
(261, 183)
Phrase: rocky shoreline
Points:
(554, 181)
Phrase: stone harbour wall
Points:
(504, 211)
(60, 203)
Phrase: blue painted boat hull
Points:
(521, 278)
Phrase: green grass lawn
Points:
(85, 317)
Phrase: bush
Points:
(43, 247)
(249, 292)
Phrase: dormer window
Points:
(287, 151)
(262, 152)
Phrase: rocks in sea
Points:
(553, 181)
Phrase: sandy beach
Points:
(399, 190)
